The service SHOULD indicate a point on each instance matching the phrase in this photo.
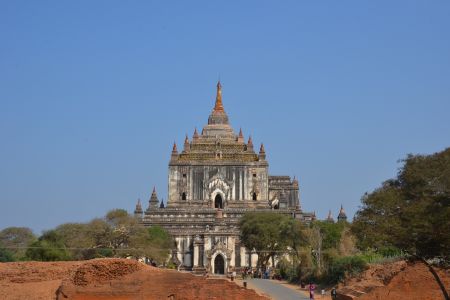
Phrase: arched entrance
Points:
(219, 265)
(218, 203)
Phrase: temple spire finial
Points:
(174, 148)
(219, 105)
(195, 134)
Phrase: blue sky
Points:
(93, 94)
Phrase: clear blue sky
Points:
(93, 94)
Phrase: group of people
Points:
(312, 288)
(249, 272)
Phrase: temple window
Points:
(255, 197)
(183, 196)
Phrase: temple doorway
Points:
(219, 265)
(218, 203)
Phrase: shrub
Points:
(390, 252)
(346, 266)
(6, 255)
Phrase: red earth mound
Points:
(100, 271)
(399, 281)
(116, 279)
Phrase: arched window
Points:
(254, 196)
(183, 196)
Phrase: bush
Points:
(286, 270)
(47, 251)
(6, 255)
(346, 266)
(390, 252)
(49, 247)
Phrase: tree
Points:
(263, 232)
(16, 239)
(331, 233)
(78, 238)
(160, 243)
(126, 236)
(411, 212)
(6, 255)
(377, 224)
(49, 247)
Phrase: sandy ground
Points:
(116, 279)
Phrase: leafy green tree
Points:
(263, 232)
(6, 255)
(378, 224)
(49, 247)
(16, 239)
(411, 212)
(160, 241)
(78, 238)
(125, 236)
(331, 233)
(153, 242)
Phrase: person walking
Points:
(312, 287)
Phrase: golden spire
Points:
(219, 106)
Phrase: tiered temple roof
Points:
(218, 141)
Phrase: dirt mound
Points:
(102, 270)
(152, 283)
(113, 279)
(21, 272)
(399, 280)
(33, 280)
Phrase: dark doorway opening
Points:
(254, 196)
(218, 203)
(219, 265)
(183, 196)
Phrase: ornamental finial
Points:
(219, 106)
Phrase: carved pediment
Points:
(217, 182)
(218, 185)
(219, 246)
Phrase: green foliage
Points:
(117, 235)
(159, 235)
(49, 247)
(160, 243)
(345, 266)
(171, 265)
(331, 233)
(77, 237)
(6, 255)
(16, 239)
(377, 224)
(411, 212)
(269, 233)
